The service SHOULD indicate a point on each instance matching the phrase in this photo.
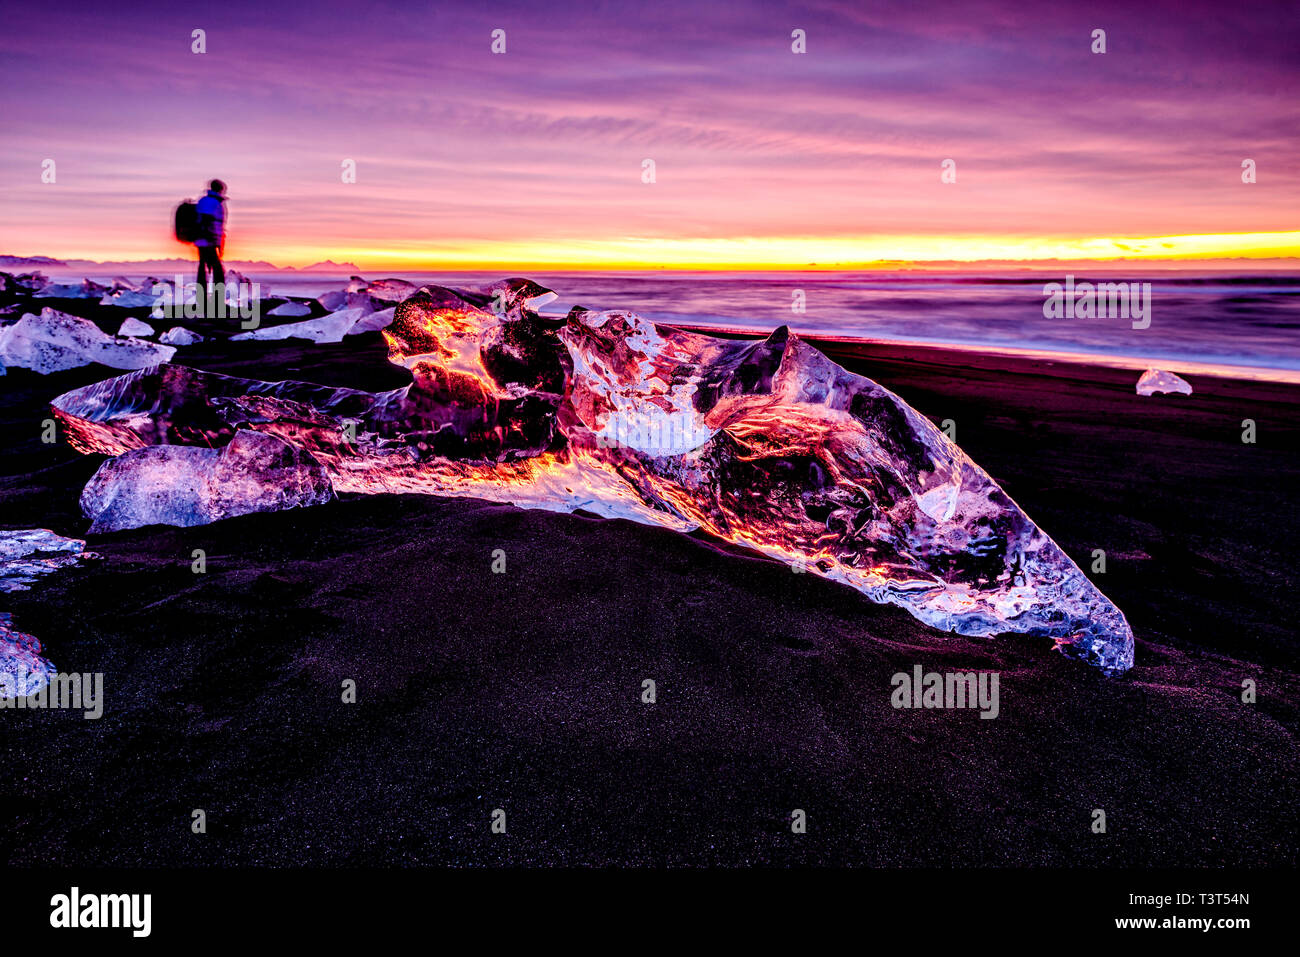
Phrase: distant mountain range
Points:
(135, 266)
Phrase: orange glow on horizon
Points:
(740, 254)
(786, 253)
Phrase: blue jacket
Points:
(212, 219)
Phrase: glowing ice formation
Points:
(767, 444)
(1157, 380)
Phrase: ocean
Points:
(1240, 321)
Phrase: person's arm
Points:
(219, 228)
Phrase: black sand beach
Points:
(522, 690)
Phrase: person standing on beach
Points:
(211, 241)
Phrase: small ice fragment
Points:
(331, 328)
(520, 292)
(134, 327)
(82, 290)
(390, 290)
(29, 282)
(23, 671)
(130, 295)
(27, 553)
(291, 309)
(373, 322)
(180, 336)
(1157, 380)
(129, 300)
(334, 300)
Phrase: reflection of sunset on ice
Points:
(765, 444)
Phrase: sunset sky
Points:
(763, 157)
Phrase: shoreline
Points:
(283, 288)
(1087, 359)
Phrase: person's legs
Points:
(209, 267)
(202, 279)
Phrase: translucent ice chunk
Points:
(28, 553)
(23, 669)
(331, 328)
(134, 327)
(180, 336)
(54, 341)
(767, 444)
(28, 282)
(25, 555)
(1157, 380)
(82, 290)
(184, 485)
(390, 290)
(368, 296)
(334, 300)
(291, 309)
(130, 295)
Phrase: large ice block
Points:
(768, 444)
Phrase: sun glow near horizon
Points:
(794, 252)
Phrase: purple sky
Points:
(536, 155)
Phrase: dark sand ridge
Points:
(522, 690)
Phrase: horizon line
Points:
(767, 253)
(1210, 263)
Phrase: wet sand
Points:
(522, 690)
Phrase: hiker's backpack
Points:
(187, 222)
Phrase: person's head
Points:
(217, 187)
